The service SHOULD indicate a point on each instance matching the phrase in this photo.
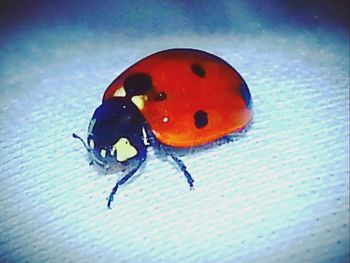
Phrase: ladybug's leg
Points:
(121, 182)
(106, 168)
(184, 170)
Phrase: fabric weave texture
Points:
(278, 194)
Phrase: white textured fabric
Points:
(279, 194)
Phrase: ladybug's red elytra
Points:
(176, 98)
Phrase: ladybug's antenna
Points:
(79, 138)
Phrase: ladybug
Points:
(173, 99)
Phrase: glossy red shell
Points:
(193, 81)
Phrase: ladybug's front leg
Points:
(122, 181)
(183, 168)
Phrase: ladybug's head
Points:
(117, 134)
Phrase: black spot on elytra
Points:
(137, 84)
(160, 96)
(198, 70)
(200, 119)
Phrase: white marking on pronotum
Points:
(120, 92)
(165, 119)
(103, 153)
(144, 137)
(139, 101)
(91, 144)
(91, 126)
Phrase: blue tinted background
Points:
(278, 194)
